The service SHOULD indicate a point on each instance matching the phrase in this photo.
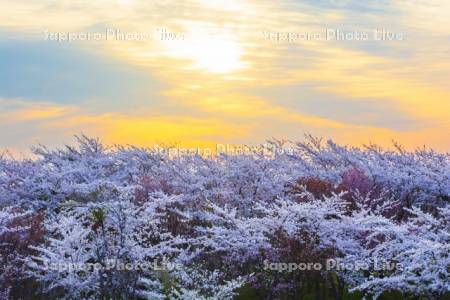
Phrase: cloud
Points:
(224, 73)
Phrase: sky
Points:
(200, 72)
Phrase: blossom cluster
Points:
(222, 220)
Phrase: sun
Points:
(214, 53)
(218, 56)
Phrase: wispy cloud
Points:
(202, 74)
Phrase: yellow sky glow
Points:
(215, 67)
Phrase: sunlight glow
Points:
(211, 61)
(209, 52)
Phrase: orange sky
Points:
(201, 72)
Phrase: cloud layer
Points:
(200, 72)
